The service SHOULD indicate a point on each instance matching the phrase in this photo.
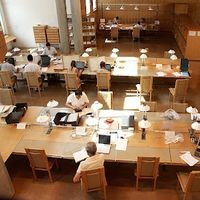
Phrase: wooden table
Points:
(60, 142)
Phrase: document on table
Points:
(189, 159)
(80, 155)
(80, 130)
(44, 69)
(121, 144)
(21, 125)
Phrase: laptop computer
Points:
(108, 67)
(104, 143)
(80, 65)
(45, 60)
(184, 65)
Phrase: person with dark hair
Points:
(94, 161)
(138, 25)
(32, 67)
(49, 50)
(77, 100)
(8, 66)
(75, 69)
(116, 20)
(102, 65)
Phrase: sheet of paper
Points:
(160, 73)
(80, 155)
(121, 144)
(44, 69)
(21, 125)
(80, 130)
(176, 74)
(189, 159)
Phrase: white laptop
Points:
(104, 143)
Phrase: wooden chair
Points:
(33, 82)
(72, 82)
(6, 80)
(179, 107)
(6, 96)
(106, 98)
(180, 90)
(147, 168)
(114, 33)
(145, 86)
(152, 105)
(136, 33)
(39, 161)
(94, 180)
(103, 80)
(189, 184)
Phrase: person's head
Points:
(117, 18)
(78, 94)
(48, 45)
(9, 60)
(102, 65)
(91, 148)
(30, 58)
(73, 63)
(139, 22)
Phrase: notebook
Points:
(104, 143)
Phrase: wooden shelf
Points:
(53, 35)
(40, 33)
(187, 35)
(3, 47)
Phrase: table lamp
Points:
(143, 57)
(144, 108)
(143, 124)
(192, 111)
(171, 51)
(114, 56)
(85, 55)
(144, 50)
(88, 50)
(96, 106)
(115, 50)
(173, 57)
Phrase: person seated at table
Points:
(8, 66)
(116, 20)
(103, 67)
(49, 50)
(32, 67)
(78, 100)
(75, 69)
(143, 23)
(138, 25)
(94, 161)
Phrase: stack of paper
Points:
(121, 144)
(80, 130)
(189, 159)
(80, 155)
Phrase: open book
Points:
(80, 155)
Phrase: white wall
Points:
(22, 15)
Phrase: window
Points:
(87, 2)
(94, 5)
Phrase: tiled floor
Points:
(121, 180)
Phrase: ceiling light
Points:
(150, 8)
(122, 7)
(108, 7)
(136, 8)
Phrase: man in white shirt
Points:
(138, 25)
(94, 161)
(49, 50)
(77, 100)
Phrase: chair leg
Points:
(29, 90)
(50, 177)
(34, 174)
(104, 192)
(154, 183)
(137, 183)
(150, 96)
(39, 90)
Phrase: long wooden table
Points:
(61, 142)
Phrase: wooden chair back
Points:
(152, 105)
(39, 161)
(193, 184)
(136, 32)
(147, 168)
(6, 96)
(6, 80)
(114, 33)
(146, 83)
(71, 81)
(181, 87)
(179, 107)
(93, 180)
(106, 98)
(103, 80)
(33, 81)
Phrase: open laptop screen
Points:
(104, 139)
(108, 67)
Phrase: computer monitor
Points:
(184, 65)
(45, 60)
(80, 65)
(108, 67)
(104, 139)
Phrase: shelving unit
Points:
(40, 33)
(52, 34)
(89, 32)
(3, 47)
(187, 35)
(70, 29)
